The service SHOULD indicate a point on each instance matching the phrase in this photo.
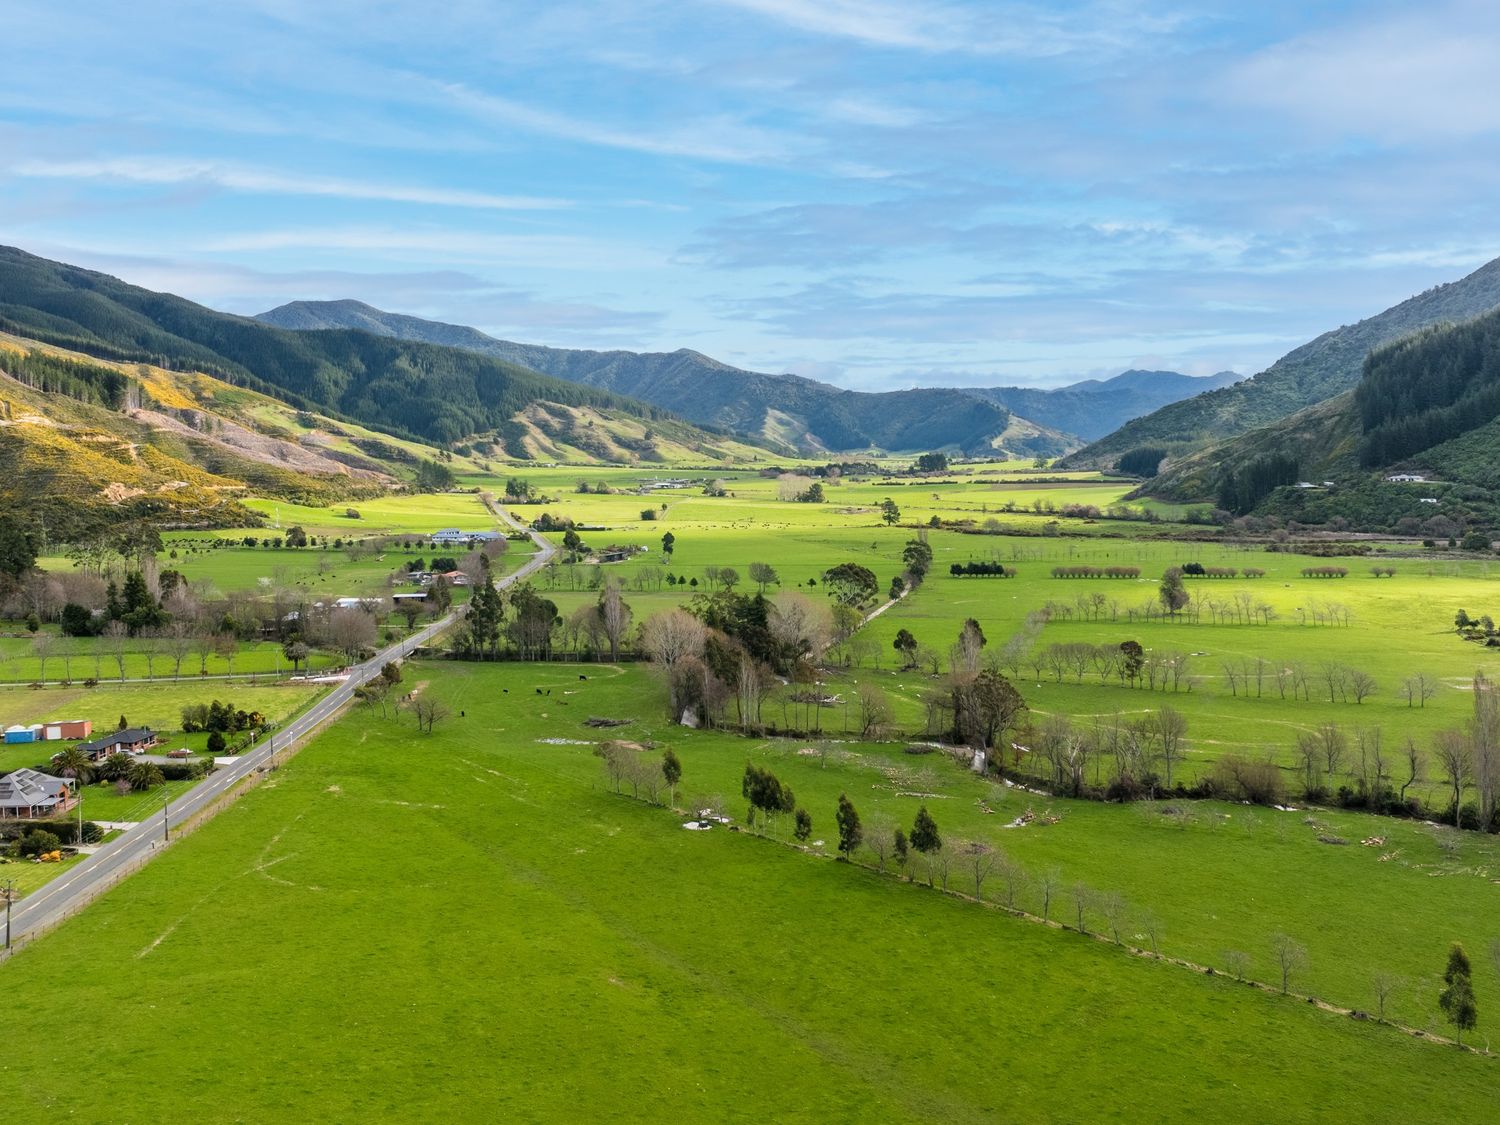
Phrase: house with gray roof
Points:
(29, 795)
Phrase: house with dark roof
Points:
(29, 795)
(135, 740)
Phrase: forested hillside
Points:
(406, 388)
(1428, 404)
(1316, 371)
(784, 410)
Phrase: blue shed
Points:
(19, 734)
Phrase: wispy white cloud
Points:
(538, 251)
(173, 171)
(1023, 30)
(720, 138)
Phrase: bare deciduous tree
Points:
(1291, 958)
(980, 858)
(874, 710)
(614, 616)
(1456, 759)
(669, 638)
(428, 712)
(1383, 985)
(1236, 963)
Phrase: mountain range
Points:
(789, 410)
(1316, 371)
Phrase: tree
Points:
(485, 614)
(671, 771)
(668, 545)
(1047, 883)
(851, 584)
(874, 710)
(916, 556)
(1291, 957)
(296, 652)
(924, 833)
(1418, 689)
(428, 712)
(931, 463)
(803, 825)
(296, 536)
(985, 706)
(889, 512)
(116, 643)
(1484, 734)
(1457, 997)
(766, 794)
(980, 858)
(1171, 727)
(18, 547)
(851, 833)
(145, 776)
(1383, 985)
(1132, 660)
(1173, 593)
(216, 742)
(670, 638)
(74, 763)
(42, 646)
(906, 645)
(351, 631)
(1455, 757)
(763, 575)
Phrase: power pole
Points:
(166, 834)
(10, 895)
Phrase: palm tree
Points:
(145, 776)
(116, 766)
(74, 763)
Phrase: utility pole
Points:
(10, 896)
(166, 835)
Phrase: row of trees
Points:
(1096, 572)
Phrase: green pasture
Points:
(156, 705)
(472, 924)
(1398, 627)
(754, 504)
(383, 515)
(82, 658)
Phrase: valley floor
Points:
(472, 924)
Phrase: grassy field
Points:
(158, 706)
(472, 924)
(1395, 627)
(81, 658)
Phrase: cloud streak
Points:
(174, 171)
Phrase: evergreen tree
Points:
(1457, 997)
(924, 833)
(851, 832)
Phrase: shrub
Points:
(216, 743)
(39, 842)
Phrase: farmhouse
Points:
(135, 740)
(1406, 478)
(450, 536)
(27, 794)
(616, 553)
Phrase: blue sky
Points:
(878, 194)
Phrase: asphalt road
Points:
(90, 878)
